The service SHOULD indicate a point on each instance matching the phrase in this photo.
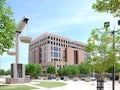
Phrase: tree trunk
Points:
(100, 82)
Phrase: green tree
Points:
(51, 70)
(110, 69)
(69, 69)
(109, 6)
(64, 71)
(7, 27)
(83, 68)
(2, 72)
(61, 71)
(101, 53)
(8, 72)
(38, 69)
(33, 69)
(30, 69)
(73, 69)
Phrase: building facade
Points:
(49, 49)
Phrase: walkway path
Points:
(80, 85)
(75, 85)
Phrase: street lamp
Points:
(106, 25)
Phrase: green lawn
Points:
(48, 84)
(15, 87)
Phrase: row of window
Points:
(59, 66)
(55, 48)
(55, 54)
(56, 39)
(53, 59)
(56, 43)
(65, 41)
(43, 42)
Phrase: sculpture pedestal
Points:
(17, 74)
(17, 80)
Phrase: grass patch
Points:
(15, 87)
(50, 84)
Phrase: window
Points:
(34, 56)
(59, 49)
(44, 60)
(51, 54)
(44, 54)
(48, 42)
(59, 55)
(55, 48)
(44, 48)
(55, 54)
(41, 49)
(48, 37)
(51, 47)
(55, 59)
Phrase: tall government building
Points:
(49, 49)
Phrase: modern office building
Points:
(49, 49)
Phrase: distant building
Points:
(49, 49)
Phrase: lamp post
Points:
(106, 25)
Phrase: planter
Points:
(57, 78)
(11, 53)
(75, 78)
(45, 78)
(66, 78)
(105, 79)
(25, 39)
(87, 79)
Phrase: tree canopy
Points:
(51, 70)
(68, 70)
(33, 69)
(109, 6)
(102, 55)
(83, 68)
(7, 27)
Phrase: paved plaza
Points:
(81, 85)
(76, 85)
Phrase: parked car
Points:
(91, 78)
(116, 77)
(61, 77)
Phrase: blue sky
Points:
(73, 19)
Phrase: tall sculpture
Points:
(18, 69)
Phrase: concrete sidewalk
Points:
(80, 85)
(74, 85)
